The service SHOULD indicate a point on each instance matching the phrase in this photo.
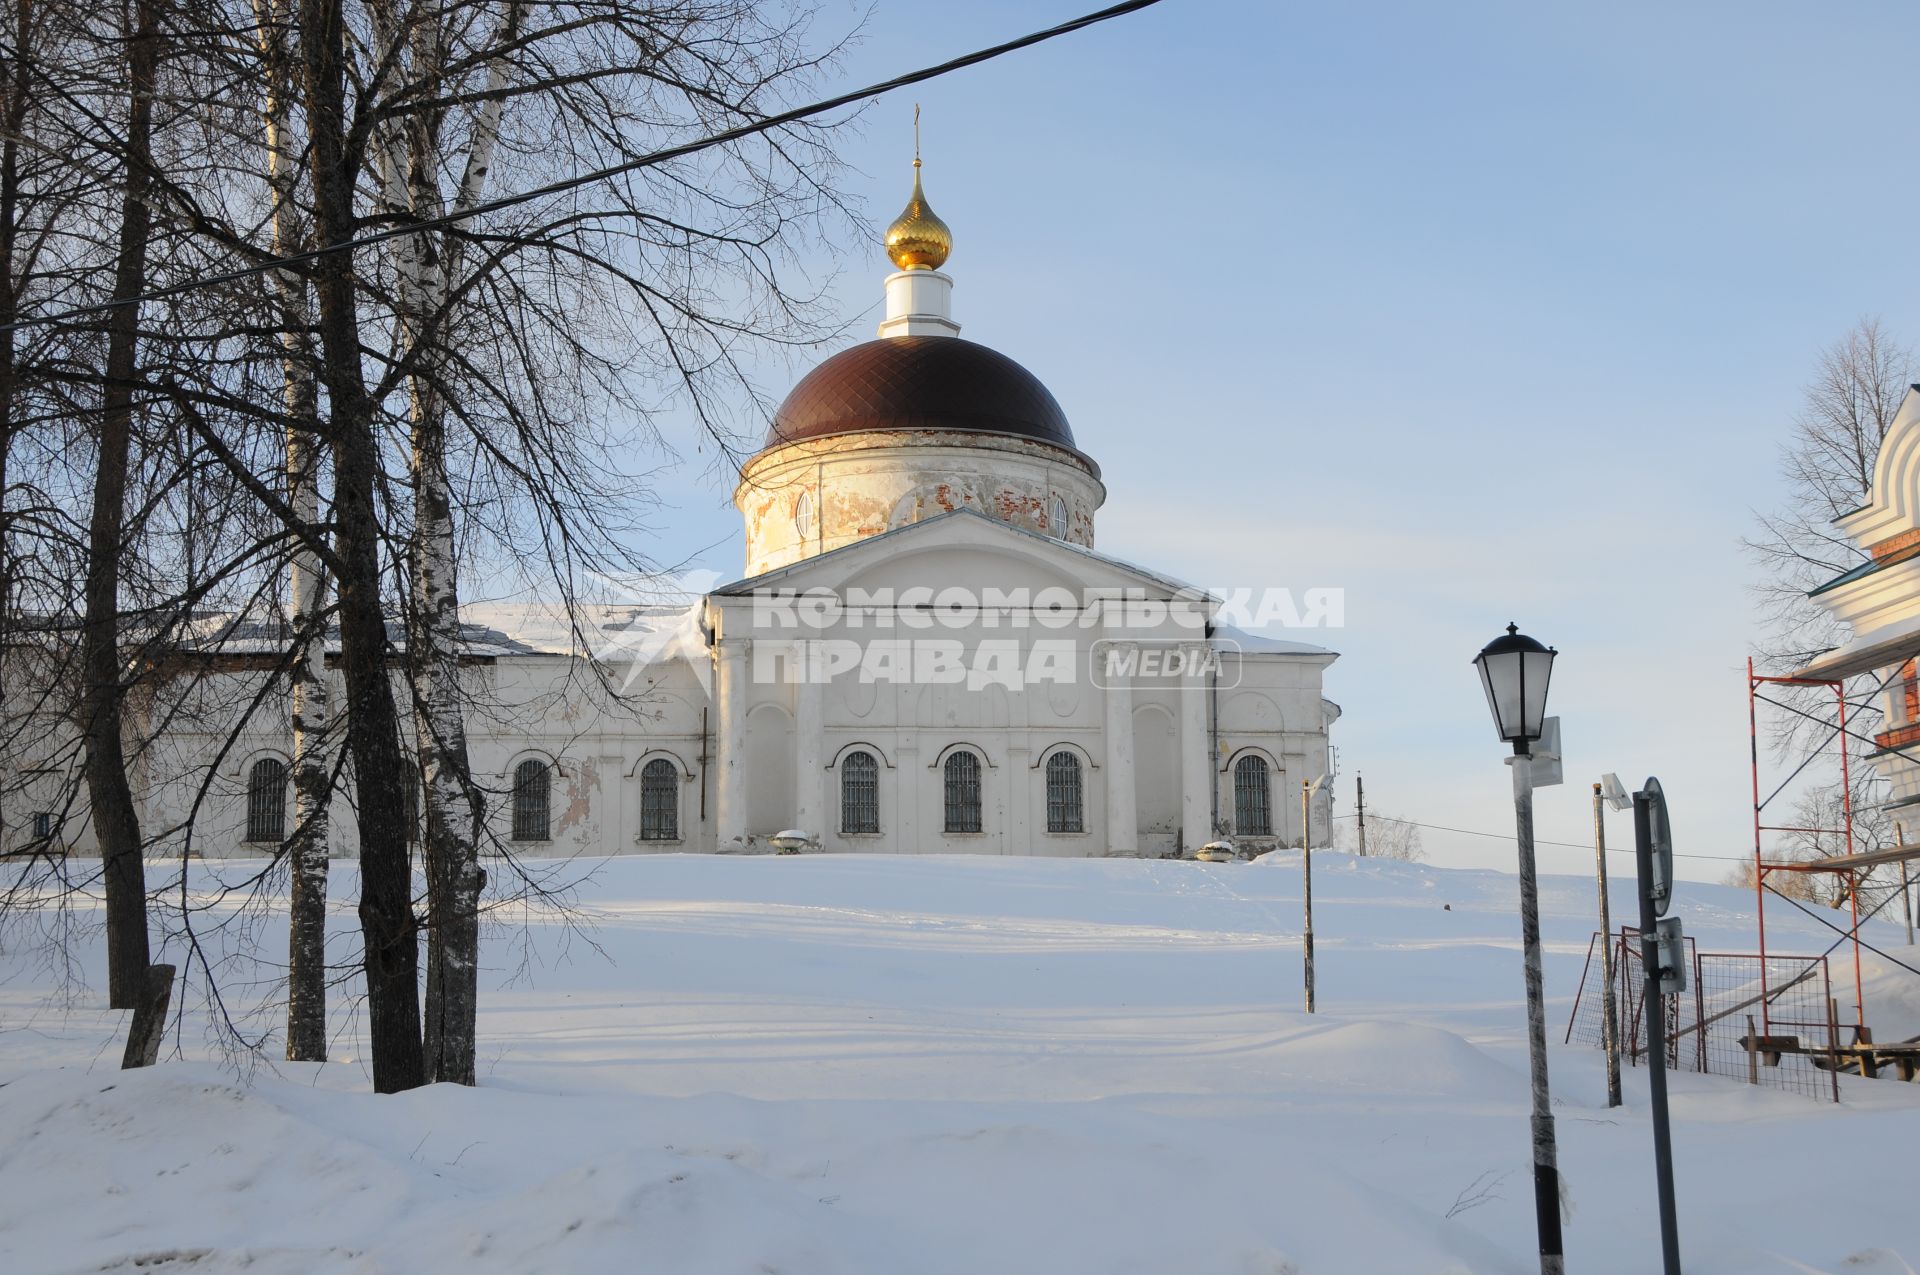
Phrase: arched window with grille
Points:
(1064, 803)
(532, 800)
(659, 801)
(1057, 518)
(963, 792)
(859, 792)
(1252, 797)
(267, 800)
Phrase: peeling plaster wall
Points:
(853, 486)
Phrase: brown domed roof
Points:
(920, 383)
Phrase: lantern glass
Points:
(1514, 672)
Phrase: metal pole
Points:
(1360, 803)
(1853, 878)
(1759, 864)
(1546, 1169)
(1906, 895)
(1609, 1011)
(1306, 884)
(1656, 1035)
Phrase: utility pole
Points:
(1306, 880)
(1609, 1013)
(1360, 802)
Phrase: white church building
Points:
(927, 653)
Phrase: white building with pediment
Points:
(927, 653)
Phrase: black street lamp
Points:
(1514, 671)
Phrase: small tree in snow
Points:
(1387, 838)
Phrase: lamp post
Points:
(1514, 671)
(1306, 882)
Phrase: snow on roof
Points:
(1259, 644)
(1876, 648)
(643, 633)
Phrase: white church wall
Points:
(597, 725)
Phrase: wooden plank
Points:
(1847, 862)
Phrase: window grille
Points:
(532, 800)
(859, 793)
(963, 793)
(1252, 807)
(1063, 793)
(43, 826)
(659, 801)
(1057, 518)
(267, 800)
(803, 515)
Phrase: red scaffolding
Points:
(1837, 864)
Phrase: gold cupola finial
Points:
(918, 239)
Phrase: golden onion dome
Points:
(918, 239)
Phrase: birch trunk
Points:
(14, 93)
(454, 876)
(116, 821)
(426, 266)
(306, 582)
(389, 930)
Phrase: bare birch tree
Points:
(473, 394)
(306, 579)
(497, 340)
(1827, 465)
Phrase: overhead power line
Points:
(649, 160)
(1541, 841)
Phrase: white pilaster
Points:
(811, 813)
(1019, 820)
(1122, 826)
(910, 835)
(610, 801)
(730, 788)
(919, 303)
(1196, 770)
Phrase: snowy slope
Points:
(870, 1064)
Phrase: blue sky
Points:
(1478, 311)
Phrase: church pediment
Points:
(964, 549)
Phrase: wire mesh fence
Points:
(1766, 1022)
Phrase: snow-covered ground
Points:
(950, 1065)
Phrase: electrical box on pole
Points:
(1544, 764)
(1670, 945)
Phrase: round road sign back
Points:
(1661, 835)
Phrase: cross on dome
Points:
(918, 239)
